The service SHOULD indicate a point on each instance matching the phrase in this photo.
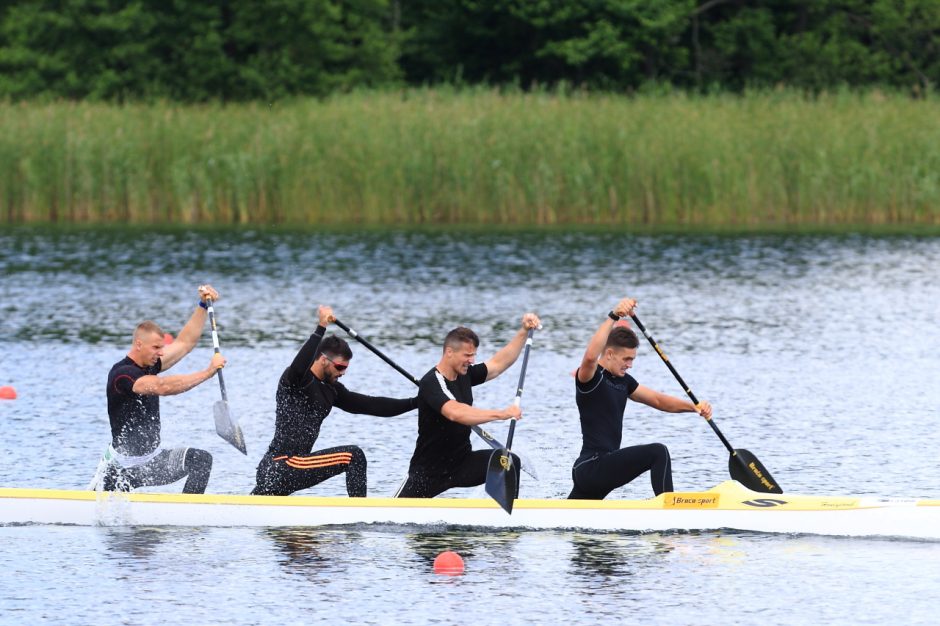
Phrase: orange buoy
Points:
(7, 393)
(167, 339)
(449, 563)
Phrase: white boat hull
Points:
(727, 506)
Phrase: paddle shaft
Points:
(377, 352)
(518, 399)
(488, 438)
(502, 477)
(215, 345)
(672, 369)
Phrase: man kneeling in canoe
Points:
(135, 458)
(308, 390)
(602, 389)
(443, 457)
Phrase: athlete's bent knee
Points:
(358, 456)
(198, 466)
(198, 460)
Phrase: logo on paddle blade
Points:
(760, 475)
(504, 462)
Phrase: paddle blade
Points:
(750, 472)
(227, 428)
(502, 478)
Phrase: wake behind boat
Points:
(729, 505)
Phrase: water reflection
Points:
(137, 542)
(321, 554)
(427, 545)
(610, 556)
(311, 552)
(600, 558)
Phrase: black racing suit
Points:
(303, 402)
(602, 465)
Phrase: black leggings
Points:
(470, 472)
(283, 475)
(597, 476)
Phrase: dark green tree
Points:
(607, 44)
(194, 51)
(245, 49)
(816, 44)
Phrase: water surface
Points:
(819, 354)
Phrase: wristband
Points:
(613, 316)
(204, 305)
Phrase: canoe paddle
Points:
(502, 475)
(494, 443)
(744, 466)
(226, 427)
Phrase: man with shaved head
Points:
(135, 458)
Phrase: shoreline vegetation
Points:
(766, 161)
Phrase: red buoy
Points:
(7, 393)
(449, 563)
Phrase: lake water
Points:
(820, 355)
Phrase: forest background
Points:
(663, 113)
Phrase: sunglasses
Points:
(340, 367)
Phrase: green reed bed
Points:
(478, 157)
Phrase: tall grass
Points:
(478, 157)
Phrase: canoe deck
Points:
(729, 505)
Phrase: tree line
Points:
(245, 50)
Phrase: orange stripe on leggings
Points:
(311, 462)
(317, 465)
(320, 459)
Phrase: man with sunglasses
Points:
(308, 390)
